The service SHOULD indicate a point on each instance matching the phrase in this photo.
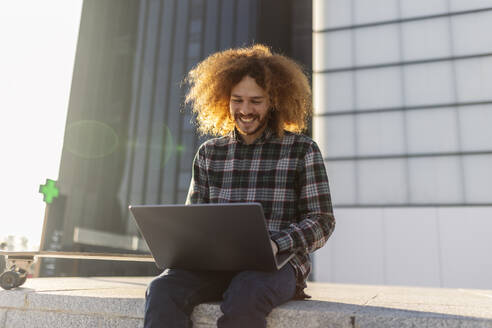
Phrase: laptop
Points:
(221, 237)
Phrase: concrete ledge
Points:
(119, 302)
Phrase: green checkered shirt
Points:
(286, 175)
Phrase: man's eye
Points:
(236, 100)
(256, 102)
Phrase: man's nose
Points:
(246, 108)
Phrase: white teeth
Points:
(247, 119)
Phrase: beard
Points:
(262, 122)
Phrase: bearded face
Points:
(249, 106)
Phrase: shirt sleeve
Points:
(198, 190)
(316, 222)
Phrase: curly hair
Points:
(211, 81)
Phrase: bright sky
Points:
(37, 52)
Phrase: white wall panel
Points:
(415, 242)
(478, 178)
(460, 5)
(427, 84)
(432, 130)
(412, 247)
(335, 135)
(331, 13)
(368, 11)
(474, 79)
(378, 88)
(476, 128)
(468, 33)
(426, 39)
(382, 181)
(380, 134)
(424, 246)
(333, 92)
(376, 45)
(332, 50)
(435, 180)
(355, 249)
(412, 8)
(466, 247)
(341, 175)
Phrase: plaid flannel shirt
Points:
(286, 175)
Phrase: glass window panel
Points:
(341, 175)
(244, 24)
(196, 26)
(379, 88)
(459, 5)
(154, 161)
(380, 134)
(428, 84)
(478, 179)
(187, 151)
(412, 8)
(435, 180)
(194, 50)
(331, 13)
(333, 92)
(432, 130)
(475, 125)
(382, 181)
(335, 135)
(471, 33)
(426, 39)
(474, 79)
(140, 149)
(375, 10)
(377, 45)
(332, 50)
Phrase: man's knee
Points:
(157, 284)
(247, 296)
(165, 290)
(166, 304)
(259, 292)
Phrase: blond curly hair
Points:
(211, 81)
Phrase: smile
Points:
(247, 119)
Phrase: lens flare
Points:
(90, 139)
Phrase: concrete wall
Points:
(403, 109)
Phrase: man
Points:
(257, 103)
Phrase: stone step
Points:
(119, 302)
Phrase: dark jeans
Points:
(248, 296)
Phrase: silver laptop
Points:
(230, 237)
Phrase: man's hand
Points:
(274, 247)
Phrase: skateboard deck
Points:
(18, 263)
(80, 255)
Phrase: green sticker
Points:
(49, 190)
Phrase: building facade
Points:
(128, 138)
(403, 110)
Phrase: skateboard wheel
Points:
(9, 279)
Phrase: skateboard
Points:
(18, 263)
